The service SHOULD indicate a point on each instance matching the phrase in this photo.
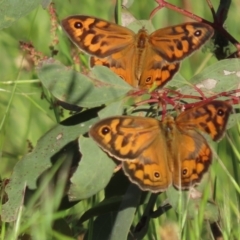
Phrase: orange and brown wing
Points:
(120, 64)
(156, 71)
(210, 118)
(151, 170)
(192, 157)
(96, 36)
(177, 42)
(139, 143)
(125, 137)
(167, 47)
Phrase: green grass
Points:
(25, 117)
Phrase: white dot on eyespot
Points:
(82, 124)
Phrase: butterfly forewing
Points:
(210, 118)
(96, 36)
(125, 138)
(177, 42)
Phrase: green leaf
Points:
(126, 213)
(78, 89)
(11, 11)
(115, 108)
(177, 81)
(93, 173)
(107, 206)
(116, 225)
(27, 171)
(46, 3)
(216, 78)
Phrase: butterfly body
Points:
(141, 59)
(156, 154)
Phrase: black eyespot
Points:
(148, 80)
(105, 130)
(198, 33)
(220, 112)
(156, 175)
(78, 25)
(184, 172)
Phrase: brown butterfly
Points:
(157, 154)
(141, 59)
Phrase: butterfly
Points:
(156, 154)
(142, 60)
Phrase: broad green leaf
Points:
(94, 172)
(45, 3)
(216, 78)
(11, 11)
(116, 225)
(114, 193)
(177, 81)
(78, 89)
(126, 213)
(108, 205)
(32, 165)
(115, 108)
